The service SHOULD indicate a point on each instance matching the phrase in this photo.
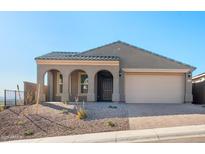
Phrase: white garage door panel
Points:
(154, 88)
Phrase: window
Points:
(83, 83)
(61, 83)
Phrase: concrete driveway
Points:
(143, 110)
(147, 116)
(107, 109)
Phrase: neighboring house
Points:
(117, 72)
(199, 88)
(198, 78)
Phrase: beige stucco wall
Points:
(91, 70)
(188, 89)
(30, 92)
(53, 86)
(75, 87)
(131, 57)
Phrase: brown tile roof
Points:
(74, 56)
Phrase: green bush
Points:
(81, 114)
(28, 133)
(111, 124)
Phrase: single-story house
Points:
(117, 72)
(198, 82)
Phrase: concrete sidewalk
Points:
(147, 135)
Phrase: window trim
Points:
(58, 84)
(79, 84)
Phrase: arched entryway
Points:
(53, 85)
(78, 85)
(104, 88)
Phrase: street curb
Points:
(146, 135)
(166, 134)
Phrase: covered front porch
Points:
(83, 81)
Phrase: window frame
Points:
(79, 83)
(60, 83)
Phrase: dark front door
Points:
(105, 86)
(107, 90)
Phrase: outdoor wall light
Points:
(189, 75)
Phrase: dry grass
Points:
(1, 108)
(111, 124)
(81, 114)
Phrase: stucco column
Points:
(50, 86)
(91, 85)
(65, 95)
(188, 88)
(116, 94)
(40, 80)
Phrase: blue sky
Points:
(25, 35)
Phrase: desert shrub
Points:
(28, 133)
(65, 111)
(81, 114)
(20, 122)
(111, 124)
(66, 102)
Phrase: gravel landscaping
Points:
(56, 119)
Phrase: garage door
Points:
(154, 88)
